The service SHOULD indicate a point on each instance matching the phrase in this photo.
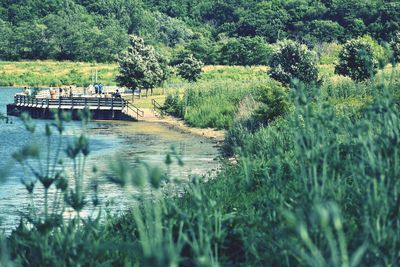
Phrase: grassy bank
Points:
(54, 73)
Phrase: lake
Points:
(109, 140)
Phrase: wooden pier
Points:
(110, 108)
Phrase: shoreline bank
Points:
(180, 125)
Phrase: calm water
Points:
(108, 140)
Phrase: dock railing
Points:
(71, 102)
(158, 108)
(108, 103)
(137, 111)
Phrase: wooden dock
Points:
(110, 108)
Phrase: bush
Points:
(275, 103)
(381, 53)
(173, 105)
(395, 45)
(356, 60)
(190, 69)
(292, 60)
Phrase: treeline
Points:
(97, 30)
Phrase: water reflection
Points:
(108, 140)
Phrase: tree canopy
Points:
(140, 66)
(98, 30)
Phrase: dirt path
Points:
(149, 116)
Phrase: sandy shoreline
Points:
(179, 124)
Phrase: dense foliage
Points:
(395, 44)
(98, 30)
(357, 60)
(245, 51)
(141, 66)
(291, 61)
(190, 69)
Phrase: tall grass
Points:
(324, 185)
(213, 101)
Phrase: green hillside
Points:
(91, 30)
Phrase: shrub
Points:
(190, 69)
(275, 103)
(292, 60)
(395, 45)
(381, 54)
(173, 105)
(356, 60)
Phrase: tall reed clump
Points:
(43, 231)
(168, 234)
(320, 187)
(210, 104)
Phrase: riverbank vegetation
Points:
(312, 181)
(310, 161)
(314, 185)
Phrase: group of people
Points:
(68, 92)
(98, 88)
(62, 92)
(100, 92)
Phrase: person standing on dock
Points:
(100, 88)
(96, 88)
(52, 93)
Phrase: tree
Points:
(395, 45)
(190, 69)
(292, 60)
(267, 19)
(203, 49)
(6, 33)
(245, 51)
(356, 60)
(140, 66)
(318, 31)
